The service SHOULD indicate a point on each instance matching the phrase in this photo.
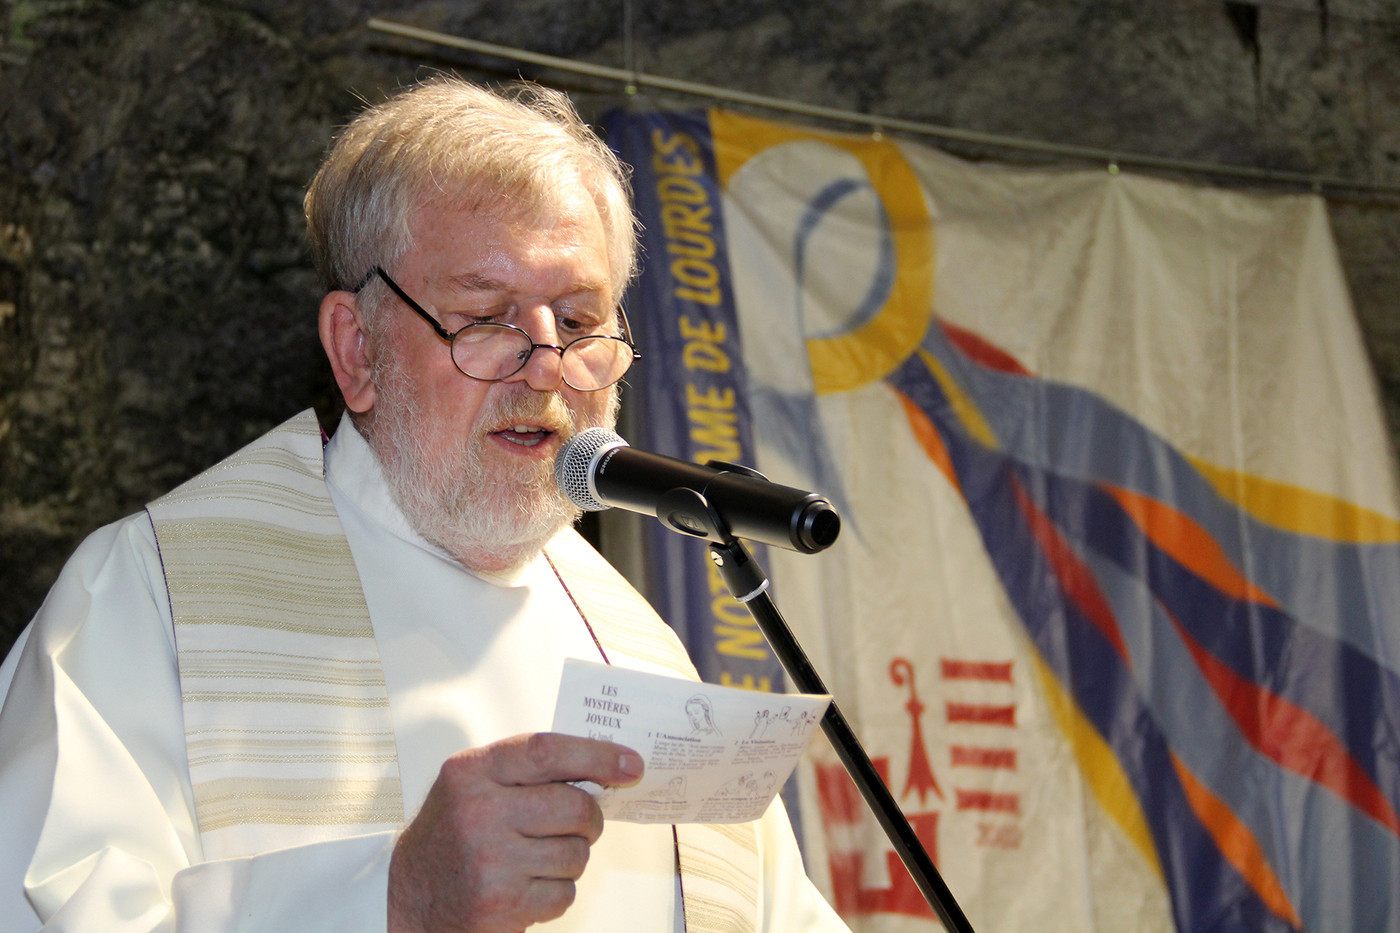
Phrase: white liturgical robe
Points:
(97, 816)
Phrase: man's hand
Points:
(502, 838)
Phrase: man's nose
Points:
(544, 370)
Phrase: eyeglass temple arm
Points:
(627, 333)
(413, 305)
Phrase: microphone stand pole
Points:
(749, 585)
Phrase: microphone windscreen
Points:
(574, 466)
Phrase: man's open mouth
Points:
(526, 435)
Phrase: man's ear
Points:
(347, 348)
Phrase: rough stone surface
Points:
(156, 297)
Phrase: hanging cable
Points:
(629, 51)
(1313, 182)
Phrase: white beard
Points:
(492, 517)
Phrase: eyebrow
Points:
(480, 282)
(476, 282)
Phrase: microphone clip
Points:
(689, 512)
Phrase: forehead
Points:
(516, 245)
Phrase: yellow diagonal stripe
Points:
(963, 406)
(1099, 767)
(1302, 511)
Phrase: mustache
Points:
(548, 410)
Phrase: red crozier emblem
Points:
(844, 811)
(920, 779)
(857, 887)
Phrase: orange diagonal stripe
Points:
(1237, 844)
(929, 438)
(1187, 543)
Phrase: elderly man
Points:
(306, 690)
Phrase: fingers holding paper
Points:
(502, 835)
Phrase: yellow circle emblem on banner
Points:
(874, 349)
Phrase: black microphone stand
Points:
(690, 512)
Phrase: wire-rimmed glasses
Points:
(490, 351)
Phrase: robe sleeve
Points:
(97, 828)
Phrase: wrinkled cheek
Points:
(597, 410)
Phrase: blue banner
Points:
(689, 393)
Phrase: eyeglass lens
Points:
(496, 351)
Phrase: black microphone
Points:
(596, 469)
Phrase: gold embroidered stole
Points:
(720, 872)
(286, 715)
